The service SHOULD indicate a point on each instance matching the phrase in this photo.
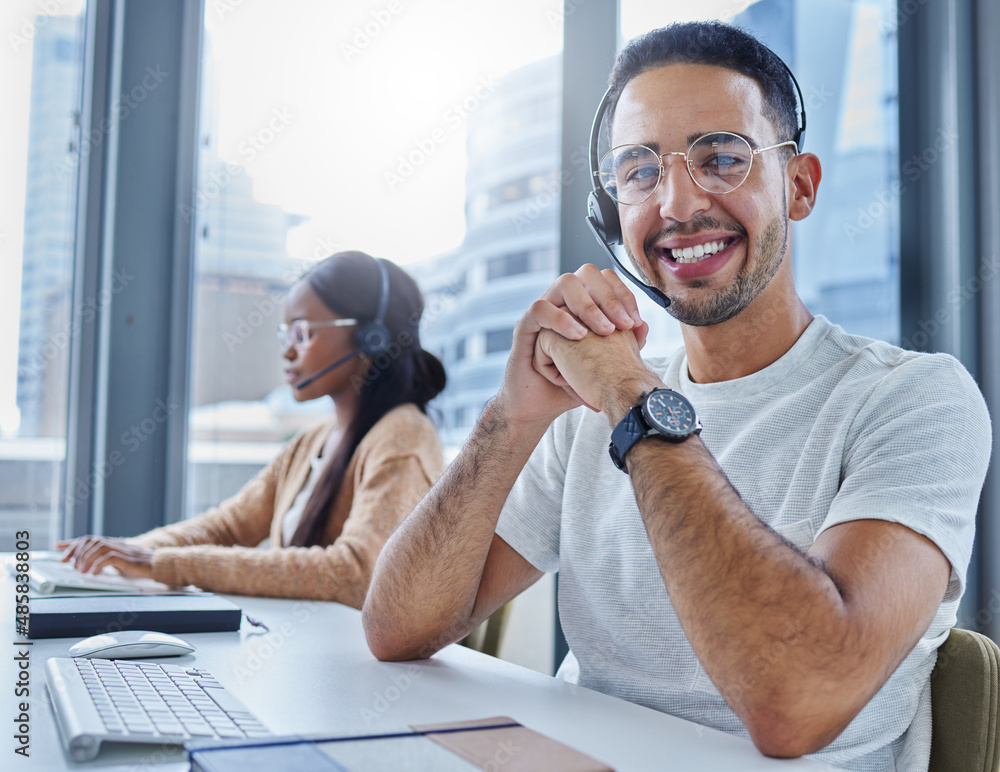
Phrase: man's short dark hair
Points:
(712, 43)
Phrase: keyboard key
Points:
(205, 731)
(225, 700)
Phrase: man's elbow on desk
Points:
(785, 739)
(395, 651)
(389, 642)
(791, 730)
(385, 645)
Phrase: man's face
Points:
(744, 233)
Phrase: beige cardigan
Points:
(393, 466)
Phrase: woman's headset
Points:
(372, 338)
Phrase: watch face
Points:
(670, 413)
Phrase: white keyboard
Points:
(50, 575)
(101, 700)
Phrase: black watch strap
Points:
(629, 431)
(654, 414)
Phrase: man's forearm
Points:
(425, 586)
(746, 598)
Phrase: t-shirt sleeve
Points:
(917, 455)
(531, 516)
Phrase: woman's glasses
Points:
(299, 332)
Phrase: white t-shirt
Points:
(840, 428)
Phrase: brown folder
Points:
(507, 745)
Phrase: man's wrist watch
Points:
(660, 413)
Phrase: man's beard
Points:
(764, 260)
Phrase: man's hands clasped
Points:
(582, 337)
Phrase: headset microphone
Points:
(654, 294)
(306, 381)
(372, 338)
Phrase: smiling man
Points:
(786, 572)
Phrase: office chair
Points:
(489, 635)
(965, 692)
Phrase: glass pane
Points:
(843, 54)
(398, 131)
(40, 77)
(499, 341)
(509, 254)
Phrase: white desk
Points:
(313, 673)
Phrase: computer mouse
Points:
(130, 644)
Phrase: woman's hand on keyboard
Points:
(91, 554)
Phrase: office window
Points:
(518, 189)
(537, 112)
(513, 147)
(499, 340)
(40, 78)
(508, 265)
(352, 133)
(524, 261)
(477, 205)
(846, 254)
(510, 190)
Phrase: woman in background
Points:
(331, 498)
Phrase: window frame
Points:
(129, 360)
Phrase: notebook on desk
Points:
(65, 616)
(462, 746)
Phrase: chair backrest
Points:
(965, 695)
(489, 635)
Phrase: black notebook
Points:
(81, 616)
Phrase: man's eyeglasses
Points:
(299, 332)
(718, 163)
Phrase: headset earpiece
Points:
(603, 216)
(372, 338)
(602, 211)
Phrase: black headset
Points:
(602, 211)
(371, 338)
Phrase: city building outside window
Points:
(499, 340)
(40, 77)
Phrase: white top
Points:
(840, 428)
(293, 516)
